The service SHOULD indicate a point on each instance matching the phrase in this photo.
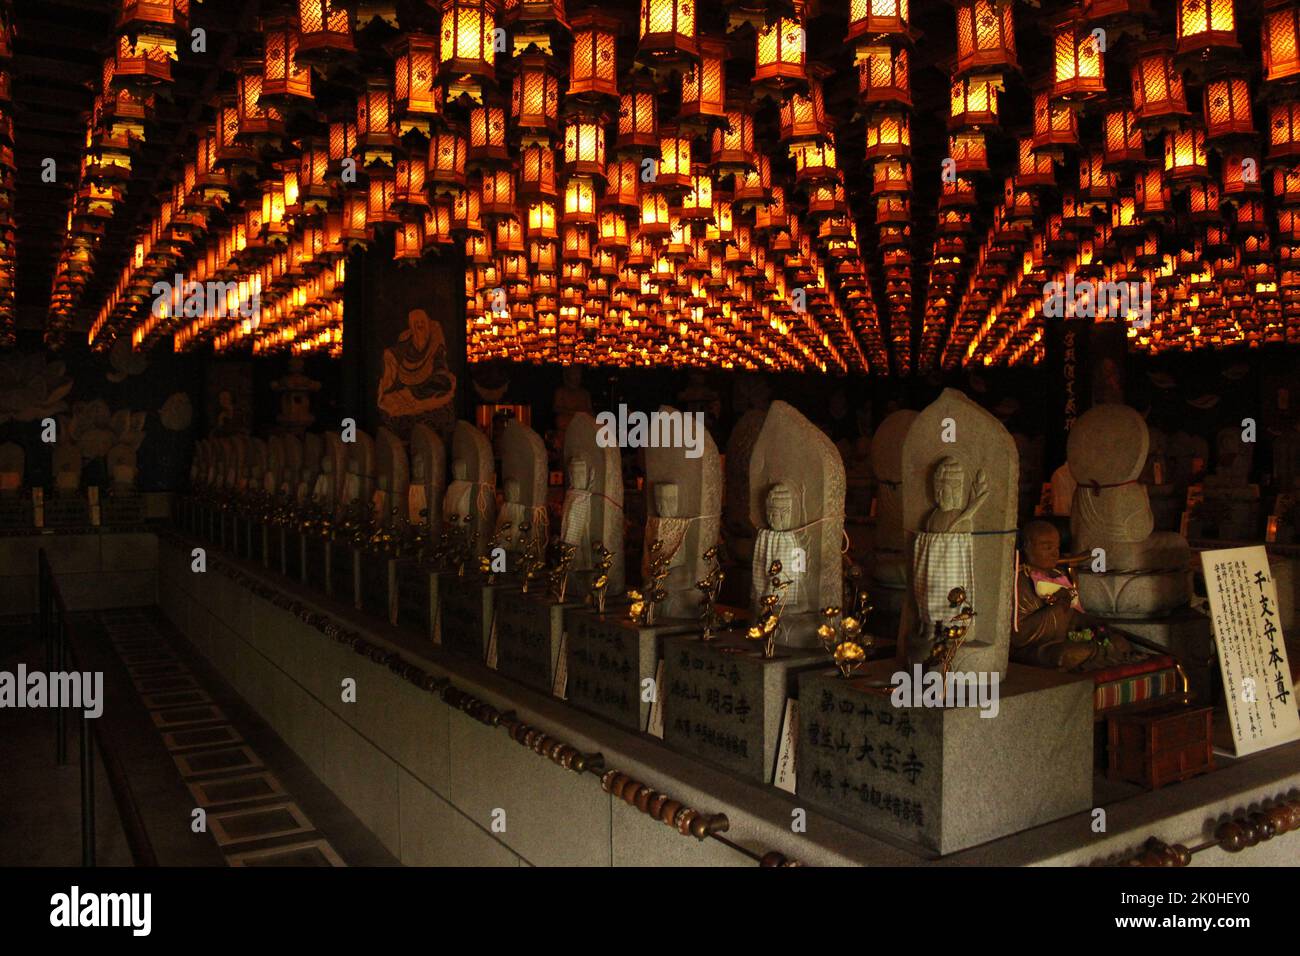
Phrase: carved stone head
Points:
(666, 499)
(779, 507)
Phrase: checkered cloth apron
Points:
(777, 546)
(941, 562)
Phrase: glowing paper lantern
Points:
(1280, 39)
(986, 36)
(324, 30)
(1204, 25)
(667, 31)
(1228, 108)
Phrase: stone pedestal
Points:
(608, 659)
(343, 572)
(724, 703)
(1186, 635)
(376, 579)
(15, 513)
(315, 557)
(294, 544)
(530, 633)
(466, 606)
(416, 590)
(943, 778)
(123, 509)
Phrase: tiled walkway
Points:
(188, 744)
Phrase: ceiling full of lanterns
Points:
(851, 186)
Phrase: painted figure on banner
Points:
(417, 379)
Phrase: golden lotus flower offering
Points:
(849, 656)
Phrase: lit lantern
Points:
(342, 143)
(1280, 39)
(1158, 93)
(466, 48)
(816, 160)
(417, 94)
(1203, 202)
(622, 184)
(969, 151)
(1241, 175)
(611, 230)
(537, 171)
(1227, 108)
(874, 18)
(535, 94)
(1205, 25)
(1152, 193)
(324, 30)
(313, 168)
(255, 120)
(697, 203)
(674, 170)
(283, 80)
(448, 150)
(1284, 130)
(975, 101)
(1055, 124)
(733, 146)
(1124, 144)
(229, 150)
(1035, 167)
(986, 36)
(593, 61)
(667, 31)
(487, 134)
(781, 55)
(804, 117)
(498, 190)
(1095, 182)
(542, 224)
(584, 146)
(638, 128)
(883, 76)
(891, 176)
(704, 83)
(1079, 62)
(580, 201)
(408, 241)
(144, 58)
(376, 130)
(890, 135)
(410, 189)
(1185, 154)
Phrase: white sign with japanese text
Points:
(1252, 654)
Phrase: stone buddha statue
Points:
(379, 503)
(456, 501)
(1052, 629)
(122, 469)
(515, 513)
(1146, 571)
(943, 552)
(417, 501)
(324, 494)
(575, 514)
(779, 541)
(668, 527)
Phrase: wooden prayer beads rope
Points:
(1231, 836)
(659, 806)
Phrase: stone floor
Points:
(185, 740)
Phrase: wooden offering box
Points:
(1162, 745)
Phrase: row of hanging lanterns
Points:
(1222, 189)
(595, 225)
